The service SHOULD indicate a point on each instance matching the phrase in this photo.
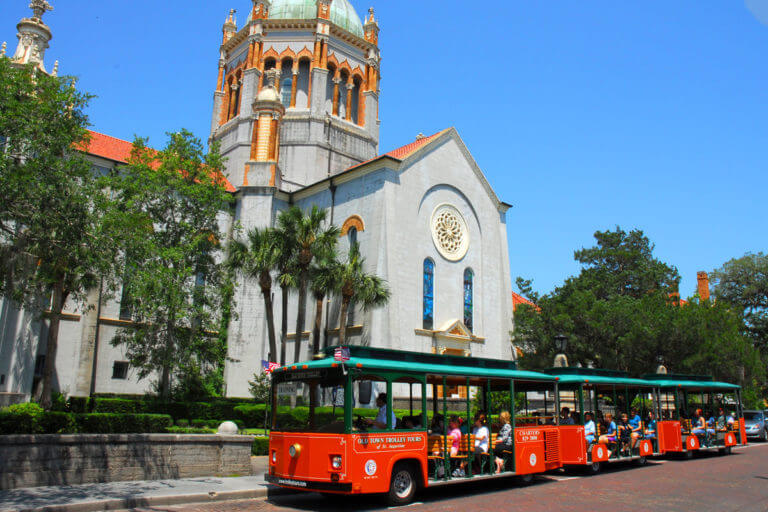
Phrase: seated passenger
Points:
(482, 438)
(503, 440)
(634, 423)
(625, 433)
(407, 423)
(454, 435)
(610, 431)
(589, 428)
(438, 425)
(721, 423)
(381, 418)
(650, 426)
(565, 416)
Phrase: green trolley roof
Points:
(702, 382)
(367, 358)
(571, 375)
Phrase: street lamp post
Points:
(561, 342)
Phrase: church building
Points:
(295, 109)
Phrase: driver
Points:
(381, 418)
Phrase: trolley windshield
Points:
(308, 401)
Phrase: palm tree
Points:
(256, 259)
(322, 275)
(284, 239)
(353, 283)
(311, 238)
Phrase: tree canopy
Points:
(618, 312)
(57, 238)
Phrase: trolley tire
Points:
(642, 461)
(402, 485)
(688, 454)
(724, 451)
(594, 468)
(526, 479)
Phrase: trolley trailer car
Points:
(334, 450)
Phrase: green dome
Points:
(342, 13)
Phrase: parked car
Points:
(756, 424)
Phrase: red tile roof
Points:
(518, 299)
(108, 147)
(402, 152)
(119, 150)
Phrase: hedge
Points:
(56, 422)
(187, 430)
(260, 446)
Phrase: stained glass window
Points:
(468, 276)
(428, 311)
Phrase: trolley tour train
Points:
(474, 418)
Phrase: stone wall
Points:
(38, 460)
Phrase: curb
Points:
(152, 501)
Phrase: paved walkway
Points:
(124, 495)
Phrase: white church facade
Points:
(296, 112)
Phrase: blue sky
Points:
(583, 115)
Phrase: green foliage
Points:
(259, 387)
(252, 415)
(260, 446)
(56, 422)
(78, 404)
(29, 408)
(123, 423)
(187, 430)
(183, 423)
(57, 223)
(115, 405)
(743, 283)
(617, 313)
(173, 198)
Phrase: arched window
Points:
(352, 234)
(468, 277)
(428, 311)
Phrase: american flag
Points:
(268, 367)
(341, 354)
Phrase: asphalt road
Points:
(738, 482)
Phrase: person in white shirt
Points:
(381, 418)
(589, 428)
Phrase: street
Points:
(738, 482)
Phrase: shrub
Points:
(30, 408)
(79, 404)
(252, 415)
(57, 422)
(201, 423)
(108, 423)
(187, 430)
(18, 423)
(260, 446)
(114, 405)
(182, 423)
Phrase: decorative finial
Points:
(271, 76)
(231, 18)
(2, 49)
(420, 136)
(370, 14)
(55, 71)
(39, 7)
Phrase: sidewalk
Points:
(126, 495)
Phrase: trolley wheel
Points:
(642, 461)
(724, 451)
(525, 479)
(594, 468)
(688, 454)
(402, 485)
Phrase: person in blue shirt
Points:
(381, 418)
(650, 426)
(610, 434)
(589, 428)
(634, 424)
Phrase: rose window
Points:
(449, 232)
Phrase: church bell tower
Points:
(297, 92)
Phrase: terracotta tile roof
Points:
(402, 152)
(108, 147)
(119, 150)
(518, 299)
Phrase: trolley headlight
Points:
(294, 450)
(336, 462)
